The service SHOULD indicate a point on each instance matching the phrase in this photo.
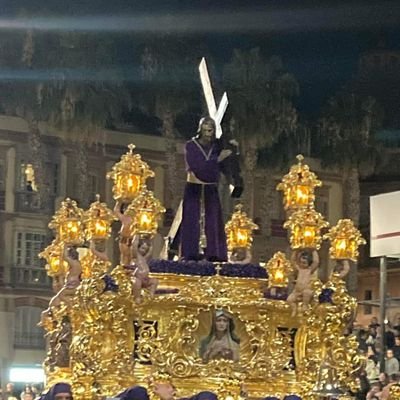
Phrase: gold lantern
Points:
(55, 263)
(145, 211)
(67, 223)
(345, 239)
(279, 269)
(129, 175)
(298, 186)
(98, 219)
(305, 228)
(239, 230)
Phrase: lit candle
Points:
(302, 194)
(100, 228)
(278, 276)
(309, 235)
(241, 238)
(145, 221)
(341, 248)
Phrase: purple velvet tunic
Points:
(203, 163)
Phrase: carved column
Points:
(10, 181)
(81, 170)
(250, 163)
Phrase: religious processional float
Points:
(230, 328)
(102, 341)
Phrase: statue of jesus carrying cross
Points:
(200, 214)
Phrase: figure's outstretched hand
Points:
(224, 154)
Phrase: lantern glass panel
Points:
(341, 247)
(302, 195)
(278, 277)
(56, 265)
(129, 184)
(242, 237)
(288, 197)
(145, 221)
(70, 231)
(309, 236)
(100, 230)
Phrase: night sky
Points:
(319, 42)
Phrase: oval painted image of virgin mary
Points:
(222, 342)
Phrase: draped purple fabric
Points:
(56, 389)
(205, 396)
(134, 393)
(140, 393)
(203, 163)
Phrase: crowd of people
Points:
(29, 392)
(374, 381)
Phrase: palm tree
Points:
(71, 84)
(347, 140)
(260, 94)
(19, 97)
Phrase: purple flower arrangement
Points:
(326, 296)
(205, 268)
(110, 285)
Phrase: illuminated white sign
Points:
(385, 224)
(26, 374)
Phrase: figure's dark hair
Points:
(73, 253)
(308, 255)
(123, 207)
(143, 240)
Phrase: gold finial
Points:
(300, 158)
(131, 147)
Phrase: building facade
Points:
(25, 288)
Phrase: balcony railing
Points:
(30, 277)
(28, 201)
(29, 340)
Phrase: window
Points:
(2, 185)
(368, 296)
(27, 334)
(29, 245)
(53, 172)
(93, 187)
(2, 175)
(27, 178)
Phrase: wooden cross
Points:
(215, 114)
